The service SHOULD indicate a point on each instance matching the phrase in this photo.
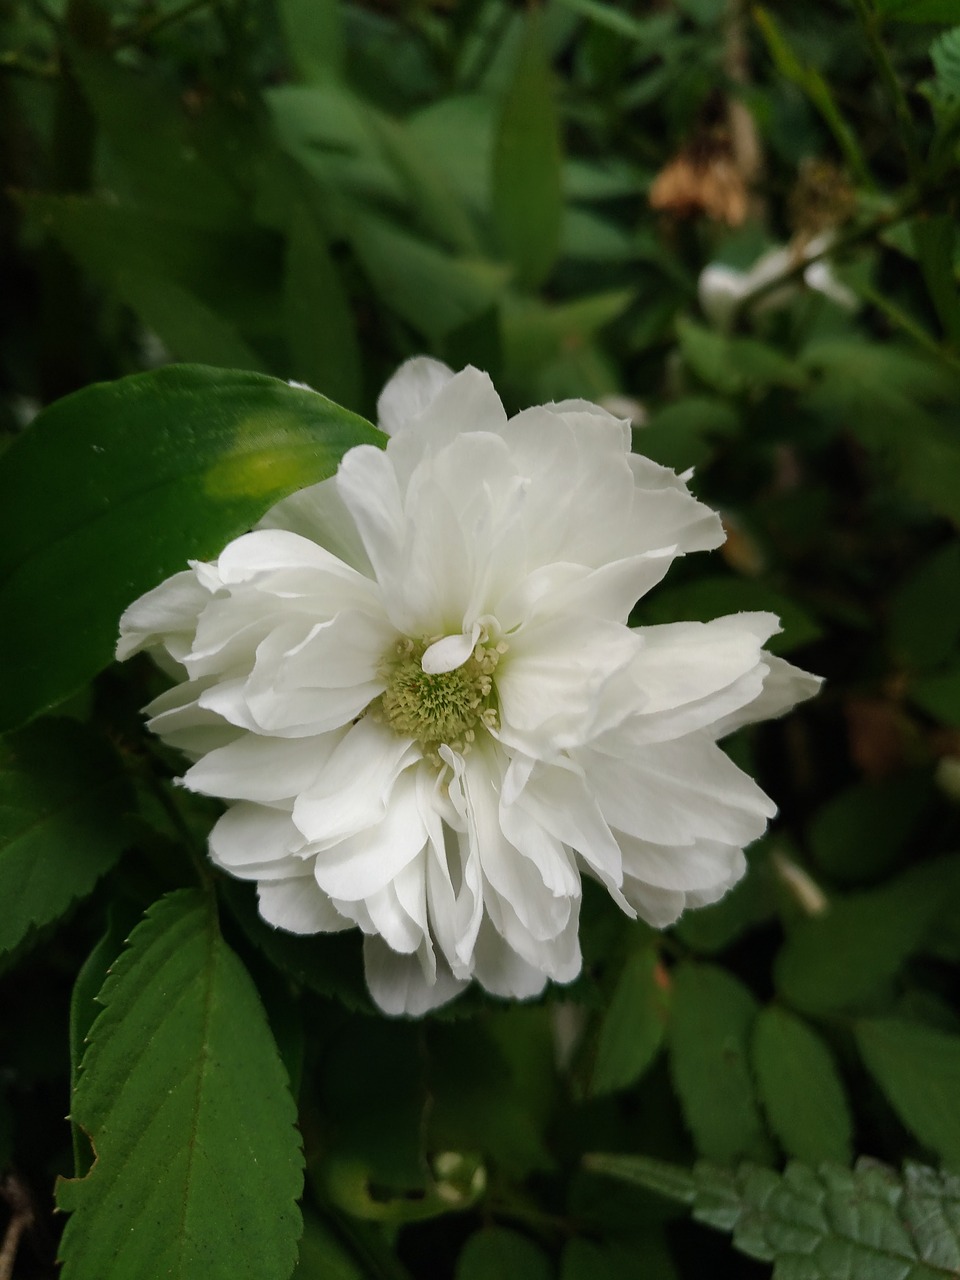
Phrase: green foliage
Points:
(527, 163)
(181, 1075)
(819, 1223)
(918, 1069)
(800, 1089)
(64, 806)
(139, 479)
(844, 958)
(709, 1037)
(633, 1025)
(311, 190)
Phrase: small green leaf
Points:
(864, 830)
(633, 1025)
(735, 365)
(918, 1069)
(114, 488)
(64, 800)
(800, 1089)
(198, 1164)
(527, 161)
(865, 1224)
(843, 957)
(499, 1253)
(711, 1022)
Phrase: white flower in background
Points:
(721, 289)
(415, 687)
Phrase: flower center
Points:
(445, 709)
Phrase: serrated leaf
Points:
(800, 1089)
(633, 1025)
(711, 1022)
(527, 162)
(322, 1256)
(945, 55)
(198, 1164)
(865, 1224)
(840, 959)
(64, 800)
(114, 488)
(499, 1253)
(918, 1068)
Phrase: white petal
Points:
(451, 652)
(253, 842)
(262, 769)
(694, 868)
(298, 906)
(783, 687)
(411, 390)
(166, 615)
(362, 864)
(550, 682)
(398, 985)
(320, 514)
(354, 790)
(501, 971)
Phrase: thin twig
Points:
(898, 99)
(18, 1198)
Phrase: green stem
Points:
(909, 326)
(898, 99)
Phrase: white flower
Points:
(721, 289)
(415, 687)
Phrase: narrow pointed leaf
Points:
(527, 196)
(114, 488)
(184, 1098)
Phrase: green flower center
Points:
(444, 709)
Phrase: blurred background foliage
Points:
(737, 227)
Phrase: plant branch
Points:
(898, 99)
(148, 28)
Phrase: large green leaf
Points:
(527, 196)
(198, 1163)
(918, 1069)
(800, 1088)
(709, 1033)
(64, 800)
(112, 489)
(864, 1224)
